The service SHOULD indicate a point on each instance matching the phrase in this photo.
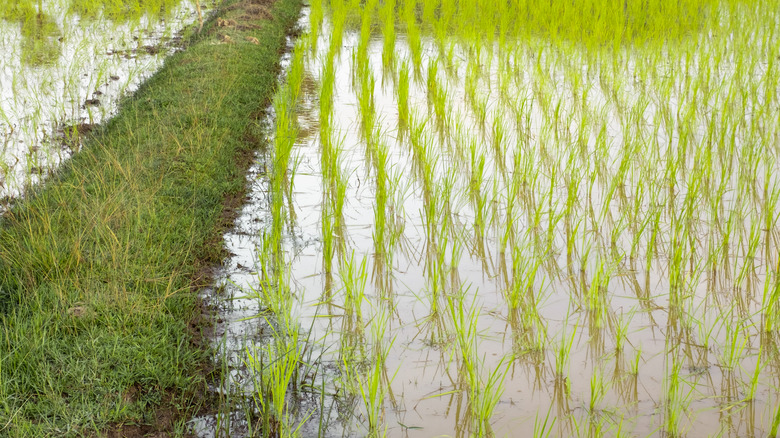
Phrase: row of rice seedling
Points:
(589, 204)
(283, 366)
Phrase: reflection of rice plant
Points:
(635, 363)
(597, 391)
(753, 384)
(597, 294)
(621, 331)
(731, 353)
(771, 302)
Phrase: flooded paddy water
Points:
(64, 67)
(501, 233)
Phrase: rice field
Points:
(64, 66)
(519, 219)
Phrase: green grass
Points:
(100, 266)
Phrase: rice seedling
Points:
(562, 357)
(374, 382)
(403, 93)
(541, 429)
(677, 398)
(484, 391)
(387, 15)
(276, 367)
(775, 423)
(413, 32)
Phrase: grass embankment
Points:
(99, 268)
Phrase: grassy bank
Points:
(99, 268)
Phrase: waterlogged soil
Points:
(546, 212)
(55, 85)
